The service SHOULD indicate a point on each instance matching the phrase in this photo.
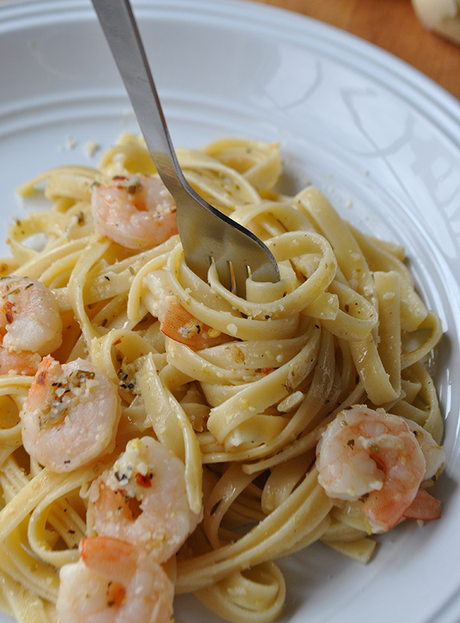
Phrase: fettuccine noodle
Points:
(344, 326)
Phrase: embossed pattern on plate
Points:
(382, 142)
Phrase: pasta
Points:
(241, 395)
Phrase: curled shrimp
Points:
(142, 499)
(135, 211)
(368, 453)
(114, 582)
(30, 324)
(70, 416)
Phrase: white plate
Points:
(378, 138)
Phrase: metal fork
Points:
(206, 233)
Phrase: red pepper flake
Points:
(143, 481)
(267, 370)
(41, 378)
(117, 341)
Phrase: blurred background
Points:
(395, 26)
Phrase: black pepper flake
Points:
(85, 374)
(132, 189)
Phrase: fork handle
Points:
(122, 34)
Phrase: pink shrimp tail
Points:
(424, 507)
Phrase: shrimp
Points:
(424, 506)
(20, 363)
(114, 582)
(368, 453)
(142, 499)
(70, 416)
(179, 324)
(433, 453)
(30, 324)
(135, 211)
(175, 321)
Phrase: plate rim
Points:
(424, 82)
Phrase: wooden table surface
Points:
(391, 25)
